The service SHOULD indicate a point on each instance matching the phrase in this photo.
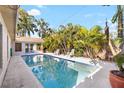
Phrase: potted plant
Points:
(116, 77)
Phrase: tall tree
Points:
(43, 28)
(25, 24)
(89, 42)
(118, 17)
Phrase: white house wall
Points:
(5, 60)
(23, 48)
(35, 47)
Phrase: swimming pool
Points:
(56, 72)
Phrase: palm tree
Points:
(84, 41)
(26, 24)
(44, 29)
(119, 18)
(92, 41)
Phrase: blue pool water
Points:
(57, 73)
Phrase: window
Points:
(18, 47)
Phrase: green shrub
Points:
(119, 59)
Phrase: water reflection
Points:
(55, 73)
(33, 60)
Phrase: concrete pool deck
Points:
(99, 79)
(20, 76)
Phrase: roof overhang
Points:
(9, 14)
(28, 40)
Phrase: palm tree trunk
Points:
(120, 23)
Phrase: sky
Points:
(85, 15)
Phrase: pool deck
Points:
(20, 76)
(100, 79)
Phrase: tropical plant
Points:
(119, 59)
(118, 17)
(92, 41)
(44, 29)
(116, 77)
(117, 41)
(25, 24)
(84, 41)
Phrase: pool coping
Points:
(34, 77)
(69, 59)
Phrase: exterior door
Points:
(18, 47)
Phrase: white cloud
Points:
(34, 12)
